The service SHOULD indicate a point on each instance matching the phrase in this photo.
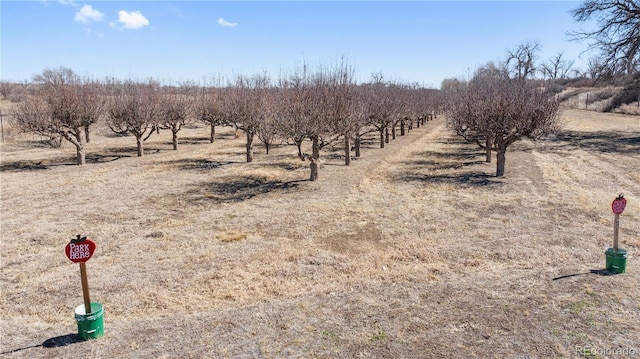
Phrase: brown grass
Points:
(415, 250)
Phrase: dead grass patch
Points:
(231, 236)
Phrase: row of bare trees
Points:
(494, 109)
(321, 105)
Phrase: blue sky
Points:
(416, 41)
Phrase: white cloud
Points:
(87, 14)
(225, 23)
(177, 12)
(132, 20)
(68, 2)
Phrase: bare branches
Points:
(211, 104)
(495, 111)
(247, 106)
(557, 67)
(520, 62)
(617, 35)
(61, 107)
(176, 109)
(134, 109)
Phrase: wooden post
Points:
(85, 287)
(616, 226)
(586, 102)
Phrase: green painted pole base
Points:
(616, 261)
(90, 325)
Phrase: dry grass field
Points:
(413, 251)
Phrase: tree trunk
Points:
(174, 138)
(347, 150)
(402, 124)
(418, 123)
(80, 155)
(386, 134)
(299, 145)
(249, 145)
(381, 137)
(267, 146)
(393, 132)
(357, 145)
(87, 136)
(314, 158)
(140, 145)
(500, 162)
(488, 146)
(213, 132)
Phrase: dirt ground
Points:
(413, 251)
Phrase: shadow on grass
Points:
(190, 164)
(289, 166)
(239, 189)
(19, 166)
(194, 140)
(54, 342)
(424, 162)
(602, 272)
(611, 142)
(132, 151)
(468, 178)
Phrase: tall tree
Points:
(617, 34)
(502, 110)
(520, 61)
(295, 106)
(331, 99)
(557, 67)
(93, 104)
(382, 106)
(176, 109)
(247, 106)
(62, 106)
(135, 109)
(210, 105)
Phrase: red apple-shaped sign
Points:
(80, 251)
(618, 205)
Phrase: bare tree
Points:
(296, 107)
(331, 100)
(269, 130)
(176, 109)
(616, 36)
(556, 67)
(246, 106)
(32, 116)
(346, 121)
(62, 106)
(501, 110)
(317, 105)
(520, 61)
(382, 106)
(210, 105)
(361, 121)
(601, 71)
(465, 114)
(134, 109)
(6, 88)
(92, 105)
